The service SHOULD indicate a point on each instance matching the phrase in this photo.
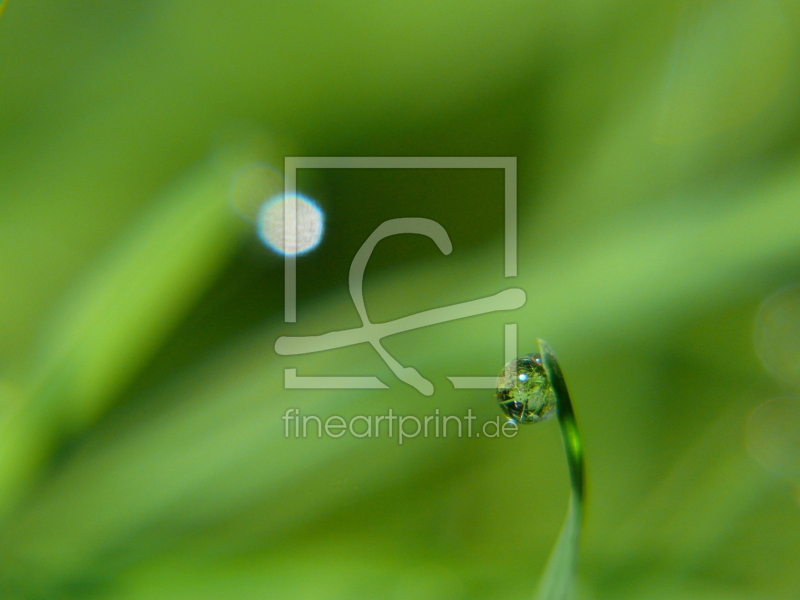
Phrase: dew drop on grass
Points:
(523, 390)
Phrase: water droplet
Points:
(524, 392)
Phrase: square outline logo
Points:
(507, 300)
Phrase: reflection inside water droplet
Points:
(524, 392)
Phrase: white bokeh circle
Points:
(304, 233)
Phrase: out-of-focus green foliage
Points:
(142, 447)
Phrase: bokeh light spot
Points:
(304, 224)
(252, 186)
(773, 436)
(778, 335)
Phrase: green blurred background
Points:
(142, 452)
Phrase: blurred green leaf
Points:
(119, 315)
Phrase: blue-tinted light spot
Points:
(305, 224)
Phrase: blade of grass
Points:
(111, 323)
(558, 580)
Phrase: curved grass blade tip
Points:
(558, 579)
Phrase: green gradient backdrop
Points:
(142, 453)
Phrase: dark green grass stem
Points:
(558, 579)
